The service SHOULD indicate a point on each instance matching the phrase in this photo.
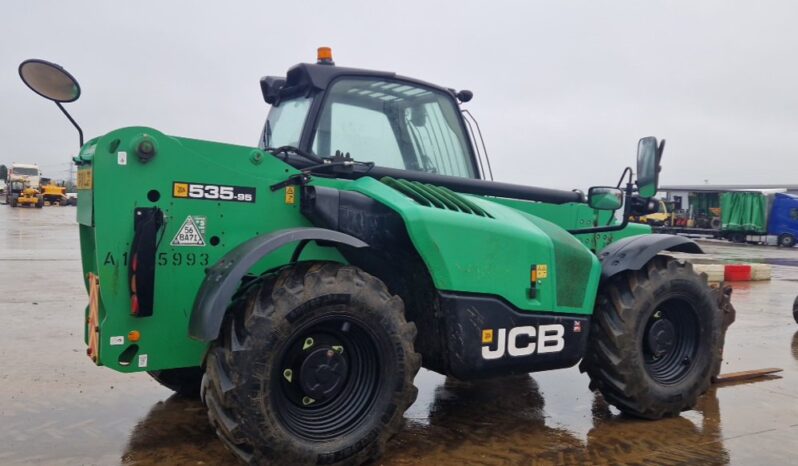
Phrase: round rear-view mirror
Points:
(49, 80)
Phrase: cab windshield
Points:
(394, 124)
(25, 171)
(285, 122)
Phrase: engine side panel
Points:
(495, 254)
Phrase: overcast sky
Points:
(563, 89)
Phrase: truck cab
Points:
(29, 174)
(783, 220)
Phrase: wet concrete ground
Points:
(57, 408)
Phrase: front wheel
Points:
(314, 366)
(655, 339)
(786, 240)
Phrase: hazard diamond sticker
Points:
(191, 233)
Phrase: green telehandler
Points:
(298, 286)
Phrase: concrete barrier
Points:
(734, 272)
(715, 272)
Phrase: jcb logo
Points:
(523, 341)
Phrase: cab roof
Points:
(306, 78)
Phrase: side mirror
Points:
(605, 198)
(648, 158)
(53, 83)
(270, 86)
(49, 80)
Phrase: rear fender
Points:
(223, 278)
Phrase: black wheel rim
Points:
(327, 378)
(670, 341)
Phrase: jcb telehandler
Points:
(298, 286)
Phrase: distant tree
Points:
(3, 172)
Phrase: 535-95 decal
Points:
(213, 192)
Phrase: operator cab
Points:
(392, 121)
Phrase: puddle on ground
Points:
(498, 421)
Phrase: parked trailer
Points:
(749, 217)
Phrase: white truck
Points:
(28, 173)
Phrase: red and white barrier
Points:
(734, 272)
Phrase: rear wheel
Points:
(786, 240)
(314, 366)
(795, 310)
(737, 238)
(655, 339)
(183, 381)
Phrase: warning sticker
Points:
(543, 271)
(191, 233)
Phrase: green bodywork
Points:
(489, 254)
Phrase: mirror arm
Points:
(71, 120)
(627, 202)
(625, 171)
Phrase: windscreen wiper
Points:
(339, 163)
(295, 150)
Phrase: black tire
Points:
(363, 346)
(185, 381)
(786, 240)
(795, 310)
(656, 339)
(737, 238)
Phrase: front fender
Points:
(634, 252)
(224, 277)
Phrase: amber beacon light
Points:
(324, 56)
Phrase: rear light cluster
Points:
(134, 299)
(147, 224)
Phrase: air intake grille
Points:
(435, 196)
